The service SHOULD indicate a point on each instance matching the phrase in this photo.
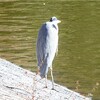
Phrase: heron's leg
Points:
(52, 78)
(45, 81)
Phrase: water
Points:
(77, 65)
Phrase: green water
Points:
(77, 65)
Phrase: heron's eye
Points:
(54, 26)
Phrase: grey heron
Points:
(47, 47)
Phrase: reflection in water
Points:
(79, 39)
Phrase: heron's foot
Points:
(52, 88)
(45, 86)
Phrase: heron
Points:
(47, 47)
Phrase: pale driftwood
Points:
(17, 83)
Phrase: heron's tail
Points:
(43, 69)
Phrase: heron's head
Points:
(54, 19)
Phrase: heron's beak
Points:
(58, 21)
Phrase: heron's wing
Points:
(41, 45)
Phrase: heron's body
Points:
(47, 46)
